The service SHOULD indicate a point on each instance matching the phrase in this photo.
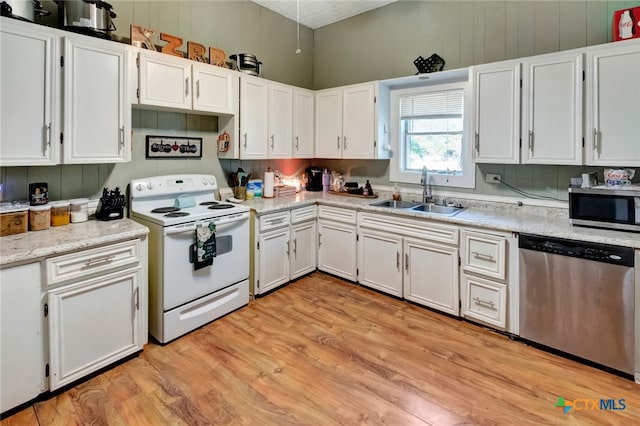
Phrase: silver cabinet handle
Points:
(406, 262)
(319, 237)
(136, 298)
(186, 86)
(94, 262)
(276, 221)
(531, 140)
(479, 255)
(197, 88)
(245, 139)
(272, 143)
(398, 260)
(596, 145)
(477, 136)
(287, 249)
(344, 142)
(488, 304)
(338, 142)
(122, 137)
(47, 138)
(297, 142)
(295, 245)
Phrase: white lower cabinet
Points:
(337, 238)
(380, 261)
(22, 343)
(485, 278)
(285, 248)
(92, 324)
(431, 275)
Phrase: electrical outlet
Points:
(493, 178)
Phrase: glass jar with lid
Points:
(79, 210)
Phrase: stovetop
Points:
(154, 199)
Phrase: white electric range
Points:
(182, 297)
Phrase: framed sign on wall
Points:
(173, 147)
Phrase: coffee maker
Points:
(314, 178)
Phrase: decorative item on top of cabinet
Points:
(196, 52)
(141, 37)
(174, 43)
(218, 57)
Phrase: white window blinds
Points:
(430, 105)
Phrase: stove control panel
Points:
(172, 184)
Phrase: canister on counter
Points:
(39, 217)
(59, 213)
(79, 210)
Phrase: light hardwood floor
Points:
(321, 351)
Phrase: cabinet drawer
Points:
(100, 260)
(337, 214)
(425, 229)
(304, 213)
(484, 300)
(274, 220)
(484, 254)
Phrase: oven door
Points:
(181, 282)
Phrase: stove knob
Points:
(212, 180)
(204, 181)
(139, 187)
(150, 185)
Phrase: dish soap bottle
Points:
(396, 193)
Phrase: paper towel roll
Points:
(267, 189)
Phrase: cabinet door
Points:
(254, 125)
(21, 340)
(164, 81)
(380, 261)
(29, 83)
(274, 259)
(329, 123)
(357, 122)
(303, 248)
(94, 102)
(552, 110)
(337, 249)
(302, 123)
(497, 112)
(280, 120)
(613, 106)
(216, 89)
(92, 324)
(431, 275)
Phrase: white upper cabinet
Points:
(497, 112)
(30, 85)
(181, 84)
(254, 121)
(552, 109)
(280, 114)
(97, 125)
(303, 123)
(613, 105)
(347, 120)
(216, 89)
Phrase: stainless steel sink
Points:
(437, 209)
(395, 204)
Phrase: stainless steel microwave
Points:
(603, 207)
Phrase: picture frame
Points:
(173, 147)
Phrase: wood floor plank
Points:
(322, 351)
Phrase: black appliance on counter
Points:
(314, 178)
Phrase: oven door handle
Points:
(192, 227)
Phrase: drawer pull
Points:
(94, 262)
(479, 255)
(488, 304)
(276, 221)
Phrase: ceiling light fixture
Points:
(298, 50)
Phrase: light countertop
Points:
(34, 245)
(511, 218)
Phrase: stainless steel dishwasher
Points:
(578, 297)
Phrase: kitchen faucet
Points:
(426, 188)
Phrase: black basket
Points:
(432, 64)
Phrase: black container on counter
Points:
(38, 193)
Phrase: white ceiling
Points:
(318, 13)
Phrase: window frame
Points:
(397, 173)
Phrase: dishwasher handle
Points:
(596, 252)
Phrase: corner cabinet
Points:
(97, 127)
(613, 104)
(496, 128)
(347, 123)
(303, 124)
(30, 87)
